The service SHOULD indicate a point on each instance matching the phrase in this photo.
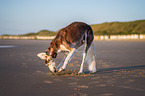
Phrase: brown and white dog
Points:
(69, 39)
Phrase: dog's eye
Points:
(54, 55)
(47, 53)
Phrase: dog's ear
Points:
(43, 56)
(54, 55)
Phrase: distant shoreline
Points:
(98, 37)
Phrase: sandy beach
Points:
(121, 70)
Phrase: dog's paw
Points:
(80, 72)
(61, 70)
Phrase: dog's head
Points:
(52, 50)
(48, 61)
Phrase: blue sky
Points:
(24, 16)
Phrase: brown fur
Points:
(71, 36)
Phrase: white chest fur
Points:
(63, 48)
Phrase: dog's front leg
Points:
(61, 62)
(67, 60)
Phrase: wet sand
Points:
(121, 70)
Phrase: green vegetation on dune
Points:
(28, 34)
(46, 33)
(134, 27)
(41, 33)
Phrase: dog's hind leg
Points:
(91, 59)
(84, 55)
(82, 64)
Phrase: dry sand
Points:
(121, 71)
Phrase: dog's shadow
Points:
(117, 69)
(100, 71)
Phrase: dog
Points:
(68, 40)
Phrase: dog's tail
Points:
(91, 59)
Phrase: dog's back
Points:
(74, 34)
